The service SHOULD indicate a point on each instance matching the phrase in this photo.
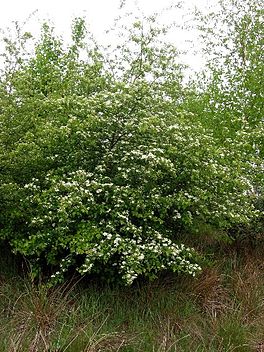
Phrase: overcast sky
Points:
(100, 16)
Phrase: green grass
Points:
(222, 310)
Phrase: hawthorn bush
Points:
(101, 168)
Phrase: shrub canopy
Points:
(101, 167)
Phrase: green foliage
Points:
(101, 168)
(233, 94)
(233, 90)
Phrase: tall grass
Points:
(222, 310)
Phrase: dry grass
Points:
(221, 311)
(211, 293)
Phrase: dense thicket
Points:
(229, 94)
(104, 160)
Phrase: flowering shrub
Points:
(85, 215)
(102, 169)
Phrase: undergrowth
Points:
(221, 310)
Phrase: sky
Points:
(100, 15)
